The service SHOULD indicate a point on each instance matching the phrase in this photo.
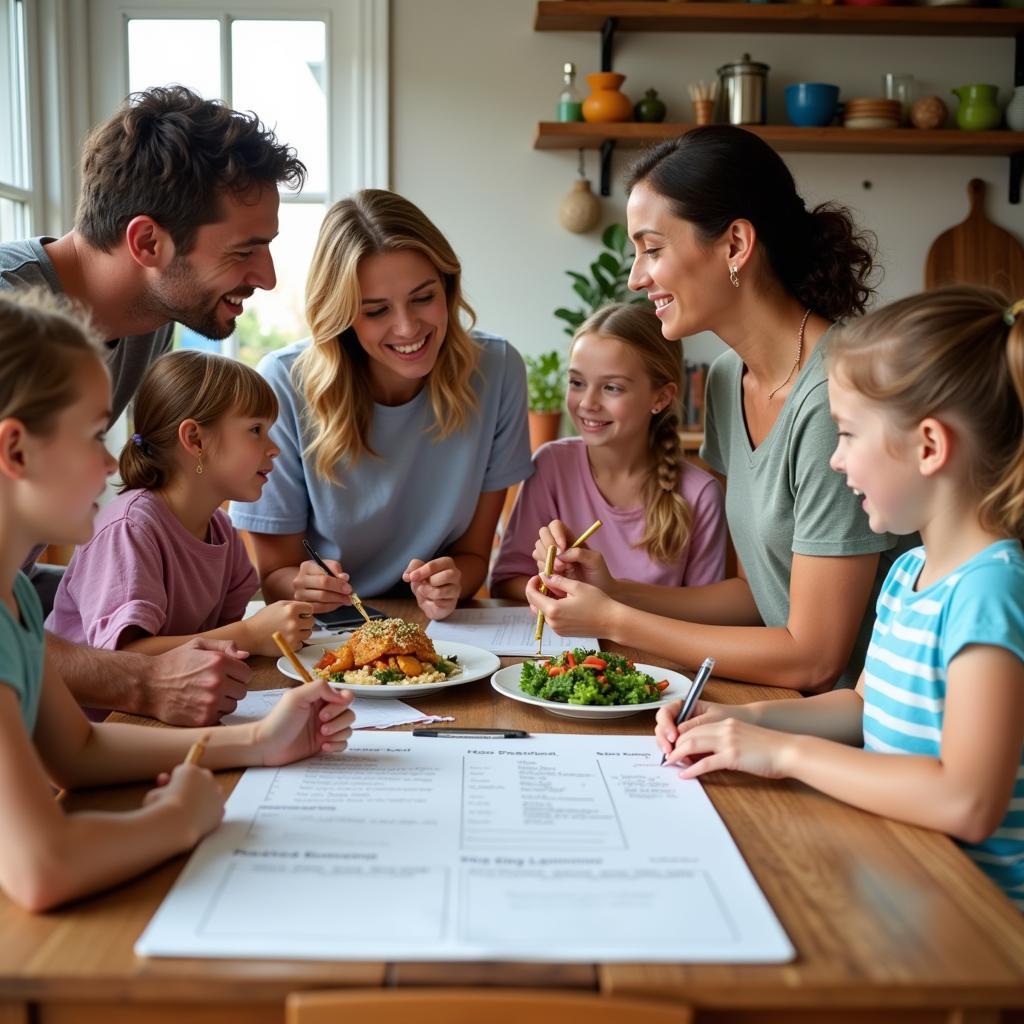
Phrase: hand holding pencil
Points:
(572, 560)
(549, 566)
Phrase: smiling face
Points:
(402, 322)
(686, 279)
(610, 395)
(239, 457)
(230, 259)
(67, 470)
(878, 460)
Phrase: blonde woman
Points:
(399, 428)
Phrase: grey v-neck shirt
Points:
(782, 498)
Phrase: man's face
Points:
(230, 259)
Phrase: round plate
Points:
(506, 682)
(475, 661)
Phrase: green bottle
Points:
(570, 106)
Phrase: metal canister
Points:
(742, 87)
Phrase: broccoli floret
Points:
(388, 675)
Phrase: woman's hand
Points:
(194, 791)
(710, 745)
(436, 585)
(581, 564)
(571, 608)
(309, 719)
(323, 592)
(292, 619)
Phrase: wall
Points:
(470, 80)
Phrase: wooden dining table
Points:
(889, 921)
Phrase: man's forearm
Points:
(100, 679)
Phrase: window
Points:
(16, 194)
(314, 76)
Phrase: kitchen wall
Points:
(470, 80)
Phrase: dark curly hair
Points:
(717, 174)
(170, 154)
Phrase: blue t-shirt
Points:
(21, 650)
(418, 496)
(917, 634)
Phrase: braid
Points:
(668, 513)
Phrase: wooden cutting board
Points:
(976, 252)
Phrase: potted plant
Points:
(545, 387)
(608, 281)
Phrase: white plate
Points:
(506, 682)
(475, 661)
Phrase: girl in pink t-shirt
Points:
(663, 518)
(165, 564)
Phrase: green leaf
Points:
(610, 263)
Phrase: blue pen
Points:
(702, 676)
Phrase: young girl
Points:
(928, 395)
(662, 518)
(54, 408)
(165, 563)
(400, 429)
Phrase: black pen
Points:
(702, 676)
(354, 597)
(504, 734)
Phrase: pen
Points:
(703, 673)
(312, 552)
(505, 734)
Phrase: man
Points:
(178, 208)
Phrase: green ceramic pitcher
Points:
(979, 108)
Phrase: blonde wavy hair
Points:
(333, 373)
(668, 514)
(958, 353)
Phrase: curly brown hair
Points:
(171, 155)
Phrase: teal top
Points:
(21, 649)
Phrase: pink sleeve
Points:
(535, 506)
(244, 581)
(705, 560)
(117, 582)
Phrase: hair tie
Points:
(1012, 312)
(138, 441)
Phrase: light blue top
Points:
(21, 650)
(916, 636)
(418, 496)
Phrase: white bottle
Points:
(1015, 110)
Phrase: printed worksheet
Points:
(552, 847)
(502, 631)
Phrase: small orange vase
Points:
(605, 103)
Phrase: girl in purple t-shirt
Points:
(663, 518)
(165, 564)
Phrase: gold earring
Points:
(199, 465)
(734, 278)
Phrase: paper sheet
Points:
(503, 631)
(370, 714)
(555, 847)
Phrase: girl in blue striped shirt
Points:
(928, 395)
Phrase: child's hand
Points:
(292, 619)
(323, 592)
(435, 585)
(574, 563)
(709, 746)
(194, 791)
(667, 732)
(571, 608)
(309, 719)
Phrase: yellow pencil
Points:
(550, 565)
(196, 751)
(290, 655)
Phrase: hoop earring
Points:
(199, 466)
(734, 278)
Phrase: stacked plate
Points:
(872, 113)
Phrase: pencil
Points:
(290, 655)
(196, 751)
(581, 539)
(323, 565)
(549, 566)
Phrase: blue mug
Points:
(811, 104)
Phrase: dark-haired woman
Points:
(724, 243)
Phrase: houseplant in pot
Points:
(545, 388)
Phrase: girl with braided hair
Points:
(663, 518)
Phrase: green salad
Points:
(580, 676)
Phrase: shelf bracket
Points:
(608, 41)
(1018, 60)
(607, 148)
(1016, 172)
